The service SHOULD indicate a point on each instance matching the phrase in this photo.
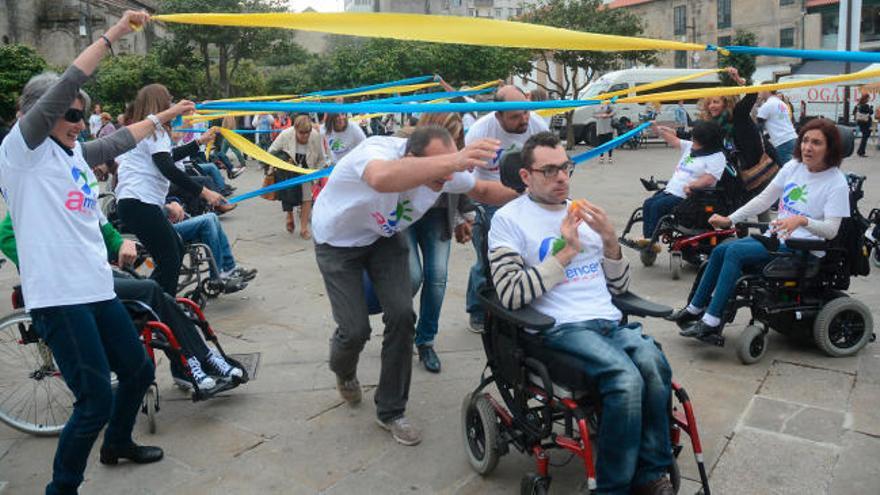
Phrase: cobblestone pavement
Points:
(795, 423)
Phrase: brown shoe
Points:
(350, 390)
(660, 486)
(225, 208)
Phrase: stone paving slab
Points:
(288, 432)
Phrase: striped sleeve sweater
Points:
(518, 285)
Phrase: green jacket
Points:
(112, 239)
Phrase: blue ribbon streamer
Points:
(389, 84)
(370, 107)
(320, 174)
(286, 184)
(610, 145)
(237, 131)
(843, 56)
(428, 96)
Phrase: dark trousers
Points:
(866, 133)
(152, 228)
(387, 263)
(604, 138)
(87, 342)
(166, 310)
(654, 208)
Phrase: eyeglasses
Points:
(551, 171)
(74, 115)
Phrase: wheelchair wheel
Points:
(843, 327)
(532, 484)
(752, 344)
(33, 396)
(151, 407)
(480, 427)
(648, 256)
(675, 265)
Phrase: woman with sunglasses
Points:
(52, 197)
(145, 175)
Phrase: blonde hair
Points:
(150, 100)
(450, 121)
(302, 122)
(229, 122)
(703, 105)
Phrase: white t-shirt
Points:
(139, 177)
(53, 200)
(530, 229)
(340, 143)
(350, 213)
(690, 168)
(94, 123)
(467, 121)
(817, 196)
(778, 121)
(488, 126)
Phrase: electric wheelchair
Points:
(801, 295)
(686, 231)
(547, 401)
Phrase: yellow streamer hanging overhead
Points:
(435, 28)
(549, 112)
(688, 94)
(257, 153)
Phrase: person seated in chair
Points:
(813, 198)
(701, 165)
(565, 261)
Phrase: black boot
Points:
(700, 329)
(135, 453)
(429, 358)
(683, 317)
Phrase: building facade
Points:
(60, 29)
(495, 9)
(800, 24)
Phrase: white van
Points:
(584, 122)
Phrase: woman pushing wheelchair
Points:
(813, 198)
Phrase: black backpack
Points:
(852, 233)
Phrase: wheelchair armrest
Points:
(525, 317)
(807, 244)
(632, 305)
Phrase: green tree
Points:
(18, 63)
(745, 64)
(119, 79)
(354, 62)
(229, 45)
(580, 67)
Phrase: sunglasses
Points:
(551, 171)
(74, 115)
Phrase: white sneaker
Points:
(222, 367)
(204, 381)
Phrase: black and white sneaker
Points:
(221, 367)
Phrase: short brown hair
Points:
(451, 121)
(834, 150)
(545, 139)
(423, 136)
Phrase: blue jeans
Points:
(87, 341)
(725, 267)
(634, 382)
(213, 172)
(654, 208)
(428, 259)
(784, 151)
(477, 277)
(206, 229)
(225, 148)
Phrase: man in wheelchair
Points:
(563, 258)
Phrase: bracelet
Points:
(109, 45)
(156, 122)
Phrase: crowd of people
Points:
(382, 222)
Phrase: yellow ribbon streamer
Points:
(496, 82)
(689, 94)
(257, 153)
(255, 98)
(549, 112)
(436, 28)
